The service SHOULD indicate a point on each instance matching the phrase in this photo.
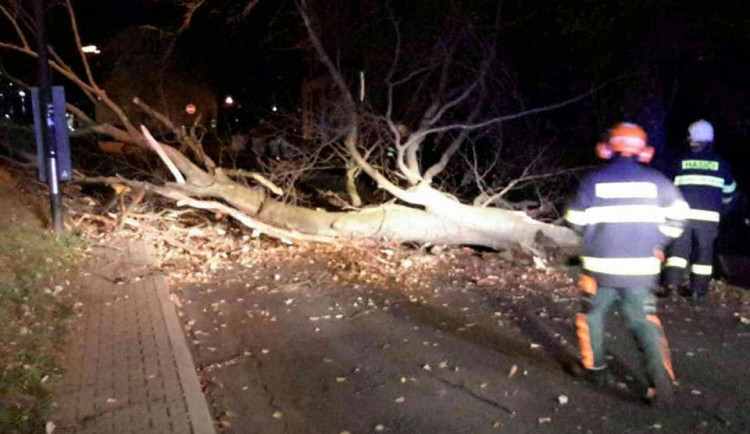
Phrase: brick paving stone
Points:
(122, 374)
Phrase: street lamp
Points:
(90, 49)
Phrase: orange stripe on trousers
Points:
(584, 341)
(666, 357)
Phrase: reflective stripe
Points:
(700, 165)
(625, 214)
(701, 270)
(703, 215)
(622, 266)
(709, 181)
(670, 231)
(727, 189)
(677, 211)
(584, 341)
(628, 214)
(666, 357)
(676, 261)
(576, 217)
(619, 190)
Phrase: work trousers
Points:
(638, 306)
(696, 247)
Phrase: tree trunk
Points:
(444, 221)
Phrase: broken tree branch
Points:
(257, 177)
(193, 144)
(183, 199)
(163, 155)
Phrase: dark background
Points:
(680, 60)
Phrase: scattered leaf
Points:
(513, 371)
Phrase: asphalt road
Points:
(283, 354)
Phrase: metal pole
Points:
(47, 119)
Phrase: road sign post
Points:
(46, 124)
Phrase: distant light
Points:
(21, 93)
(7, 116)
(274, 109)
(190, 109)
(229, 100)
(91, 49)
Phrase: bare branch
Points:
(394, 64)
(193, 144)
(256, 176)
(249, 7)
(14, 22)
(186, 21)
(79, 113)
(438, 167)
(79, 46)
(326, 60)
(350, 140)
(524, 178)
(542, 109)
(160, 152)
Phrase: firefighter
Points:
(706, 182)
(627, 214)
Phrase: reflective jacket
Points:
(625, 211)
(706, 182)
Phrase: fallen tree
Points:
(417, 210)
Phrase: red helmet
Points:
(628, 140)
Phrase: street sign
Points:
(57, 122)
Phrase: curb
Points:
(200, 417)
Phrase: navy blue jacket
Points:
(625, 211)
(706, 182)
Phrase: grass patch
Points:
(31, 322)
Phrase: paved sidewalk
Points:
(128, 366)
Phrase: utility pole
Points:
(47, 119)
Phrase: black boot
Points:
(600, 378)
(698, 299)
(668, 291)
(661, 392)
